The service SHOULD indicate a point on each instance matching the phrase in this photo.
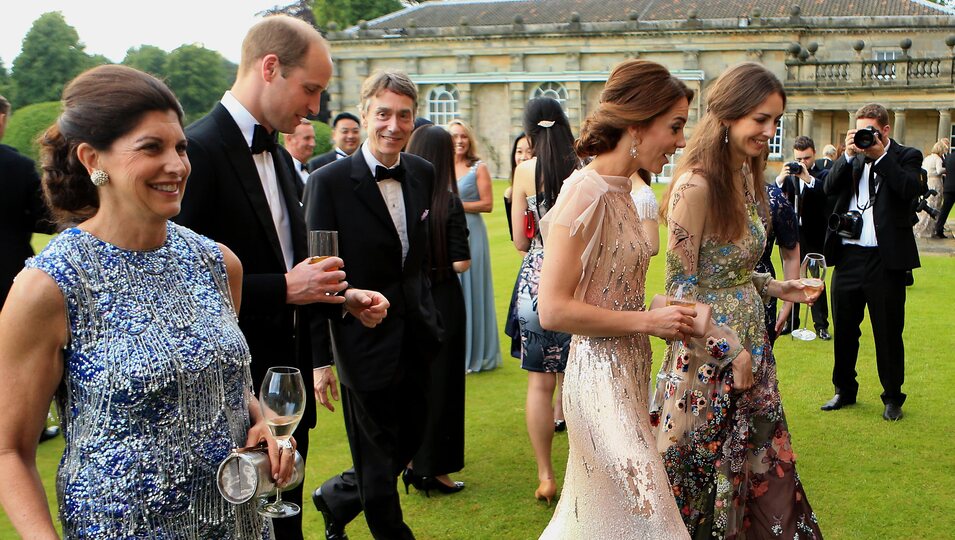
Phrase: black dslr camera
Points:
(866, 137)
(848, 225)
(794, 168)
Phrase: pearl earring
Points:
(99, 177)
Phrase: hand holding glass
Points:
(812, 275)
(282, 400)
(322, 245)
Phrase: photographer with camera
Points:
(801, 181)
(870, 242)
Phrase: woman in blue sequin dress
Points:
(130, 320)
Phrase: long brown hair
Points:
(433, 143)
(637, 92)
(733, 95)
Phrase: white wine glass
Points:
(282, 400)
(322, 245)
(812, 275)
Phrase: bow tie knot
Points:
(262, 141)
(394, 173)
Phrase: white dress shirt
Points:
(867, 238)
(393, 196)
(301, 169)
(266, 168)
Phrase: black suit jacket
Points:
(898, 175)
(321, 160)
(815, 209)
(823, 164)
(344, 196)
(225, 201)
(22, 212)
(949, 185)
(299, 186)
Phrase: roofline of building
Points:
(535, 76)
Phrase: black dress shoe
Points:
(333, 530)
(823, 334)
(49, 433)
(837, 402)
(938, 235)
(892, 412)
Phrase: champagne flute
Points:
(282, 400)
(812, 275)
(322, 245)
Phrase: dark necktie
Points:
(395, 173)
(262, 141)
(303, 167)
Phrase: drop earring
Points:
(633, 149)
(726, 135)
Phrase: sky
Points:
(110, 27)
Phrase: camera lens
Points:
(864, 138)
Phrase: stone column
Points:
(898, 130)
(465, 108)
(945, 124)
(518, 99)
(789, 134)
(805, 128)
(573, 104)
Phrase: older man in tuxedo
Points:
(880, 184)
(300, 145)
(242, 193)
(378, 199)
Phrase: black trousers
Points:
(290, 528)
(861, 280)
(384, 430)
(947, 202)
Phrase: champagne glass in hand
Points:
(812, 275)
(282, 400)
(322, 245)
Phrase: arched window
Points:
(443, 104)
(776, 143)
(552, 90)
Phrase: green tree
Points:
(50, 57)
(5, 83)
(148, 58)
(198, 76)
(27, 123)
(348, 12)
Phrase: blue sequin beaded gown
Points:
(482, 346)
(154, 392)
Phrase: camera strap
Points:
(873, 189)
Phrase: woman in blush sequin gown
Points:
(722, 430)
(592, 286)
(130, 320)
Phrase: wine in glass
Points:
(322, 245)
(282, 400)
(812, 275)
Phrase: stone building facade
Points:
(482, 60)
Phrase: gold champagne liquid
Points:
(283, 426)
(677, 302)
(313, 260)
(811, 286)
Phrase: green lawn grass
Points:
(866, 478)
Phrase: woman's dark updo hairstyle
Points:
(553, 146)
(99, 106)
(635, 94)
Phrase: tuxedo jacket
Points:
(343, 196)
(814, 211)
(225, 201)
(949, 185)
(824, 164)
(897, 174)
(299, 185)
(22, 212)
(321, 160)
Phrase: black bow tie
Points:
(395, 173)
(262, 141)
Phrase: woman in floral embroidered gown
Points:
(721, 428)
(592, 286)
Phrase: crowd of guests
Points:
(159, 307)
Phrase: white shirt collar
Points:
(372, 162)
(243, 118)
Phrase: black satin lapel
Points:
(410, 192)
(366, 189)
(293, 205)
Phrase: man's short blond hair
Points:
(874, 111)
(395, 81)
(286, 37)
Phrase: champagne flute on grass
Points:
(812, 275)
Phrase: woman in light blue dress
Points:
(129, 320)
(483, 348)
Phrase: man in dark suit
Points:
(805, 192)
(880, 183)
(346, 136)
(828, 158)
(378, 200)
(241, 193)
(948, 200)
(22, 211)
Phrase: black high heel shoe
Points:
(409, 478)
(428, 483)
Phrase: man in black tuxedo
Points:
(812, 211)
(880, 183)
(22, 211)
(378, 199)
(346, 136)
(828, 158)
(300, 145)
(241, 193)
(948, 197)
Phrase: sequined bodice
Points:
(154, 390)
